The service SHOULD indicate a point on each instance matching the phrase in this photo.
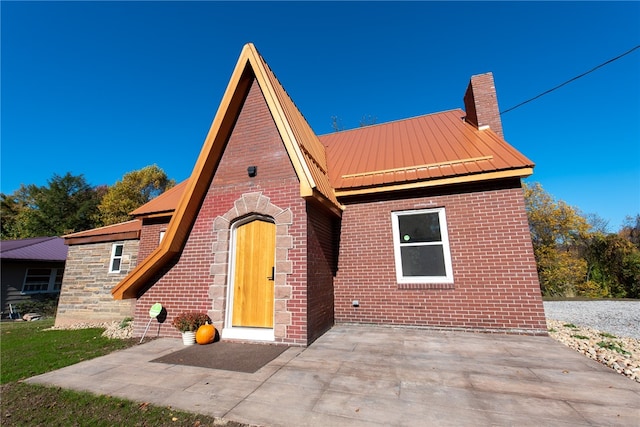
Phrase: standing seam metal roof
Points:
(433, 146)
(134, 225)
(166, 202)
(34, 249)
(370, 157)
(308, 142)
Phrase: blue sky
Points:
(105, 88)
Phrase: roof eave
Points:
(155, 214)
(5, 260)
(311, 194)
(522, 172)
(125, 235)
(185, 212)
(308, 185)
(247, 68)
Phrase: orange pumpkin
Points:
(205, 334)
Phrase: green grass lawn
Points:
(28, 349)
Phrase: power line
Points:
(570, 80)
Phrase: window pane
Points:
(419, 228)
(36, 286)
(58, 283)
(423, 260)
(39, 272)
(118, 251)
(116, 265)
(37, 280)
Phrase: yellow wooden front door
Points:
(254, 274)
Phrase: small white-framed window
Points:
(41, 280)
(161, 236)
(421, 246)
(115, 264)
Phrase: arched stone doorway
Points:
(255, 209)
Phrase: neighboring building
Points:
(32, 269)
(97, 260)
(279, 233)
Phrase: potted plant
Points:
(188, 323)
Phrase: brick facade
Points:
(325, 259)
(150, 234)
(495, 280)
(85, 296)
(481, 103)
(197, 279)
(248, 205)
(322, 261)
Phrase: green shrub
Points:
(125, 322)
(613, 346)
(43, 304)
(607, 335)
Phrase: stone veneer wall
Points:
(85, 296)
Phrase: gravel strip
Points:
(605, 331)
(621, 318)
(113, 330)
(622, 354)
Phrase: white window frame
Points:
(51, 281)
(162, 233)
(397, 245)
(114, 257)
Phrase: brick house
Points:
(279, 233)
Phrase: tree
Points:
(561, 273)
(579, 257)
(67, 204)
(597, 224)
(336, 124)
(557, 230)
(552, 222)
(614, 264)
(631, 230)
(12, 207)
(136, 188)
(367, 121)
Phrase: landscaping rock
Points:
(622, 354)
(113, 330)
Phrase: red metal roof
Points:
(166, 202)
(109, 233)
(422, 148)
(420, 151)
(303, 136)
(429, 147)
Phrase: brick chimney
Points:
(481, 103)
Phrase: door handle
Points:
(273, 270)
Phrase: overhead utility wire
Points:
(570, 80)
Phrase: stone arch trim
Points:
(252, 204)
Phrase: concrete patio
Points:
(369, 376)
